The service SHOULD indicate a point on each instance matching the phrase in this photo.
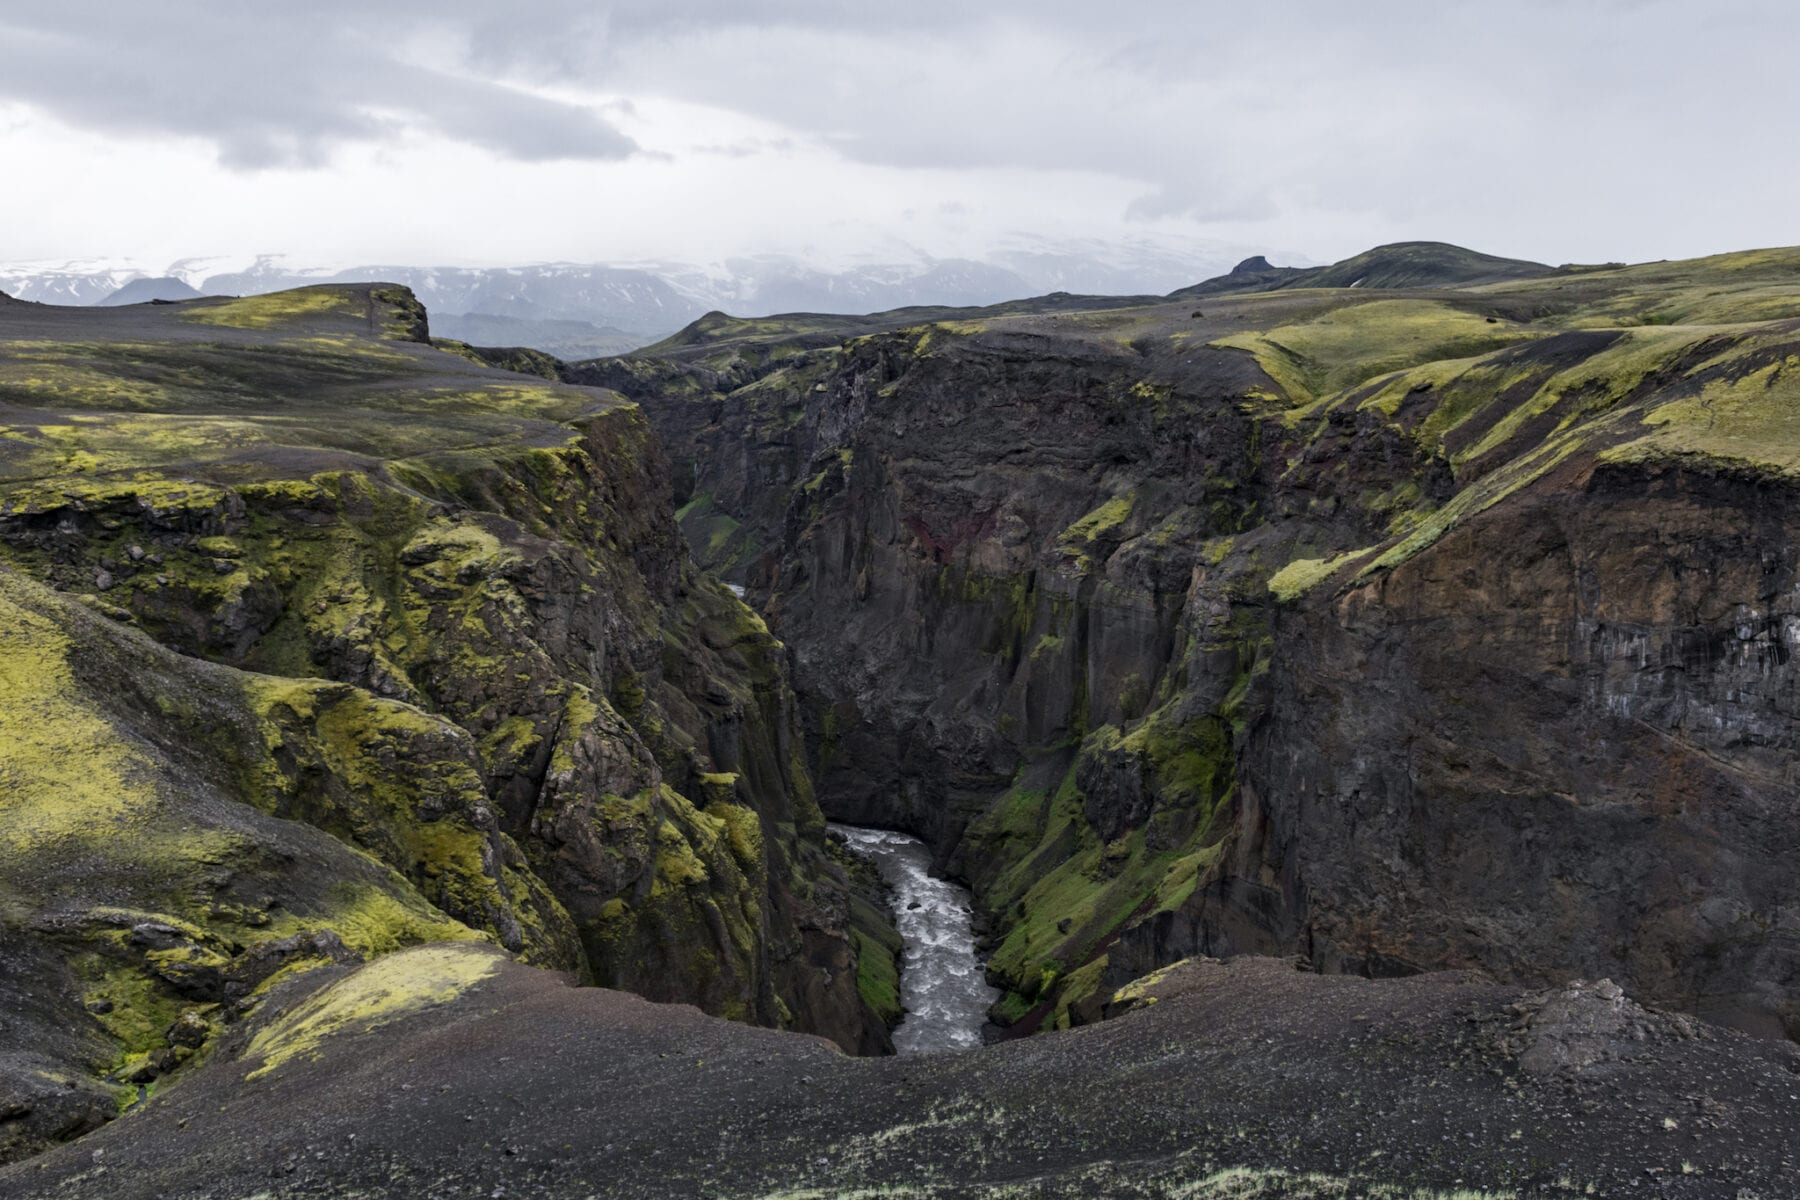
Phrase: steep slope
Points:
(436, 613)
(1402, 629)
(150, 884)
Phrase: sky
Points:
(473, 133)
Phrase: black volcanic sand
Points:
(1243, 1079)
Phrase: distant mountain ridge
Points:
(579, 311)
(144, 291)
(583, 310)
(1396, 265)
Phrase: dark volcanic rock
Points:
(1244, 1080)
(1402, 629)
(1571, 760)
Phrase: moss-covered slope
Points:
(285, 557)
(150, 883)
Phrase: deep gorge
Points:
(1025, 565)
(1422, 652)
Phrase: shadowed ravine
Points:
(942, 983)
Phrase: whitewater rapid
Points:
(942, 986)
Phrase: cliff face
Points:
(1559, 742)
(323, 641)
(1400, 629)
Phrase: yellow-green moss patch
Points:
(276, 308)
(64, 770)
(1303, 574)
(386, 990)
(1346, 345)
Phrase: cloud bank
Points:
(1577, 129)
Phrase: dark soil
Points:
(1249, 1078)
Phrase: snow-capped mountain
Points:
(580, 310)
(76, 282)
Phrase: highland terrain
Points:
(1361, 700)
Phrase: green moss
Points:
(1088, 893)
(513, 738)
(877, 978)
(1190, 759)
(697, 931)
(720, 542)
(1078, 986)
(376, 920)
(275, 308)
(1142, 988)
(387, 990)
(628, 694)
(1359, 340)
(579, 715)
(139, 1006)
(1060, 892)
(683, 850)
(1303, 574)
(1011, 1008)
(1484, 494)
(1595, 385)
(743, 830)
(1102, 521)
(403, 788)
(161, 498)
(66, 772)
(1751, 422)
(59, 376)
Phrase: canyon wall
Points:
(322, 641)
(1397, 630)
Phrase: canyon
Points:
(1426, 628)
(1381, 671)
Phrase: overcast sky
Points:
(453, 131)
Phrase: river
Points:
(942, 986)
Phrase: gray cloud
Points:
(276, 85)
(1536, 126)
